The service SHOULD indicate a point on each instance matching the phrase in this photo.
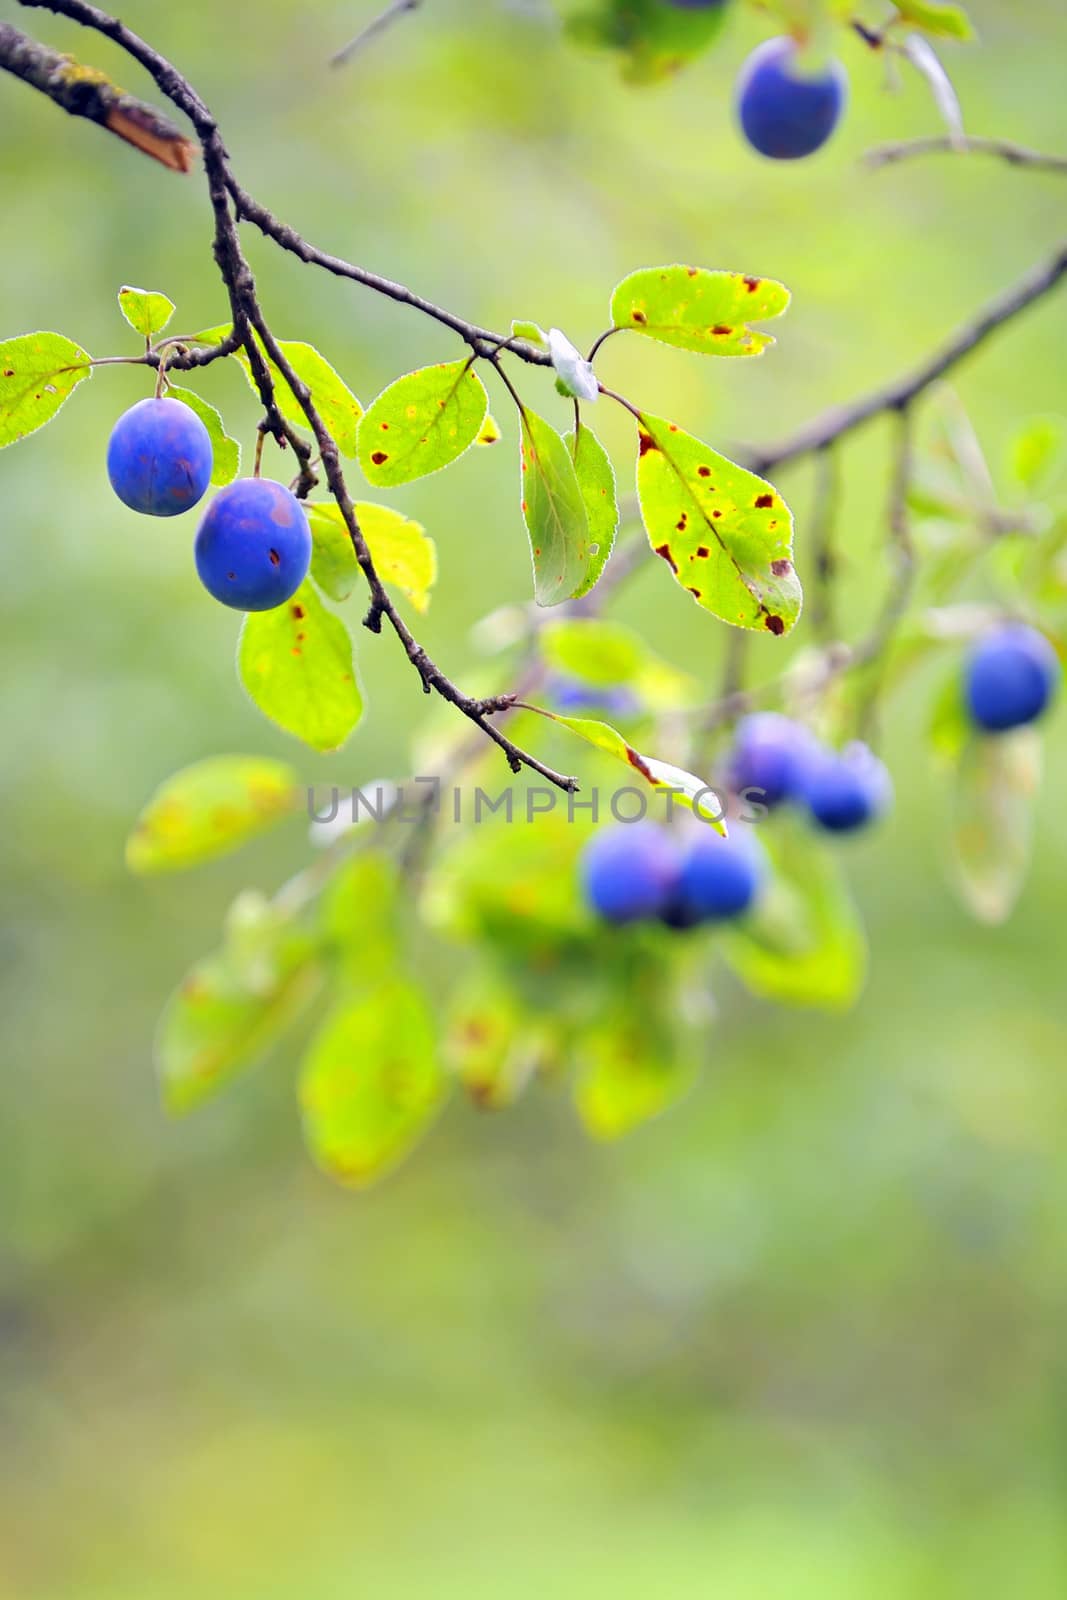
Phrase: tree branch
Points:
(391, 14)
(250, 329)
(841, 420)
(85, 92)
(1016, 155)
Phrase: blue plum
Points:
(159, 458)
(253, 547)
(787, 110)
(847, 789)
(719, 878)
(1010, 677)
(629, 871)
(768, 758)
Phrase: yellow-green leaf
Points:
(146, 311)
(554, 509)
(596, 480)
(402, 551)
(725, 534)
(421, 423)
(627, 1074)
(803, 943)
(371, 1084)
(938, 17)
(489, 432)
(226, 451)
(209, 809)
(694, 309)
(689, 790)
(296, 663)
(222, 1016)
(334, 401)
(38, 371)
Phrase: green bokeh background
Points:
(803, 1337)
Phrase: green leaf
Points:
(334, 401)
(693, 309)
(223, 1015)
(512, 888)
(38, 371)
(402, 551)
(554, 509)
(371, 1084)
(596, 480)
(609, 655)
(686, 787)
(1038, 451)
(654, 38)
(938, 17)
(531, 332)
(421, 423)
(209, 809)
(491, 1044)
(996, 785)
(296, 663)
(803, 943)
(146, 311)
(628, 1073)
(725, 534)
(360, 919)
(227, 452)
(489, 432)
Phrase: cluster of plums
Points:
(788, 107)
(637, 872)
(253, 546)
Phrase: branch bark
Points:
(85, 92)
(841, 420)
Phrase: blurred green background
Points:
(804, 1337)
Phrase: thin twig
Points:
(385, 19)
(841, 420)
(1016, 155)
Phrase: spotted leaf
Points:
(421, 423)
(296, 663)
(209, 809)
(371, 1083)
(37, 374)
(688, 790)
(725, 534)
(694, 309)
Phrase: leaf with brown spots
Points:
(209, 809)
(554, 508)
(296, 663)
(371, 1083)
(38, 372)
(727, 534)
(693, 309)
(421, 423)
(225, 1013)
(686, 786)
